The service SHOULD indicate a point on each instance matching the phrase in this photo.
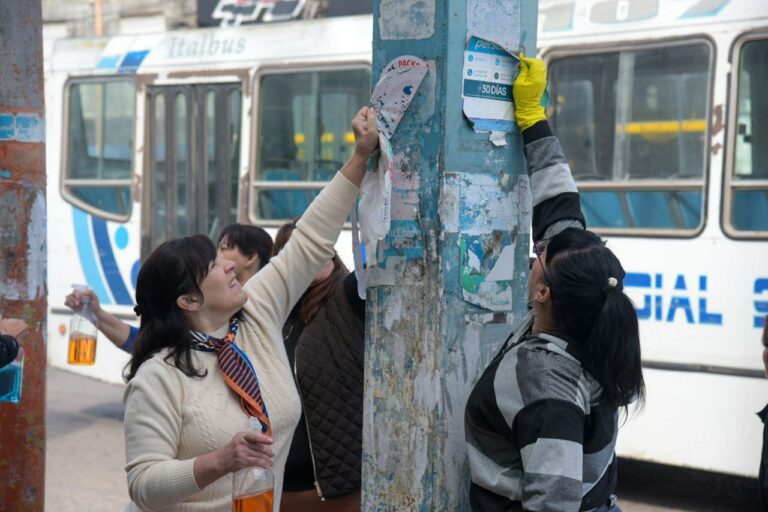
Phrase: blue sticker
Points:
(7, 126)
(30, 128)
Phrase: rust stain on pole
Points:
(22, 249)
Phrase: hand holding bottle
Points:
(246, 450)
(74, 300)
(83, 328)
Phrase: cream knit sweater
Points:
(170, 418)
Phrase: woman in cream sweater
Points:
(186, 423)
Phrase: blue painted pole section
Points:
(452, 279)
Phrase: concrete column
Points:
(453, 278)
(22, 248)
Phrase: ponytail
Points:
(589, 306)
(612, 350)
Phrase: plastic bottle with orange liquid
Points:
(253, 489)
(83, 329)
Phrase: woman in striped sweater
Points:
(541, 422)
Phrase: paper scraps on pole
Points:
(489, 72)
(497, 21)
(397, 86)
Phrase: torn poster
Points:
(487, 269)
(489, 72)
(397, 86)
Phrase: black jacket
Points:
(329, 374)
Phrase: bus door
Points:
(193, 161)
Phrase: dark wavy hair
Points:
(317, 293)
(175, 268)
(599, 318)
(249, 240)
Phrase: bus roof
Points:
(561, 21)
(215, 48)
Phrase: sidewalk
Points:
(85, 452)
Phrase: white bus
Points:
(657, 105)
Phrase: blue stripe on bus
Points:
(87, 258)
(108, 263)
(132, 61)
(701, 12)
(108, 62)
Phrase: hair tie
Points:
(137, 310)
(612, 282)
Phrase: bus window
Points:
(99, 147)
(304, 136)
(748, 212)
(633, 127)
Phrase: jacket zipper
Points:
(306, 424)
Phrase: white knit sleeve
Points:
(274, 290)
(156, 478)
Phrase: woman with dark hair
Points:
(324, 338)
(248, 246)
(541, 422)
(210, 357)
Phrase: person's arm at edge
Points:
(116, 331)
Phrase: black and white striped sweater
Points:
(538, 436)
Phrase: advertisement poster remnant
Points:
(489, 72)
(490, 66)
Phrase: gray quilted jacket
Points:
(329, 373)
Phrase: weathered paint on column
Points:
(22, 248)
(436, 313)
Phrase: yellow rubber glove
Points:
(528, 91)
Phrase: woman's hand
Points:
(246, 450)
(366, 132)
(366, 141)
(74, 300)
(528, 92)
